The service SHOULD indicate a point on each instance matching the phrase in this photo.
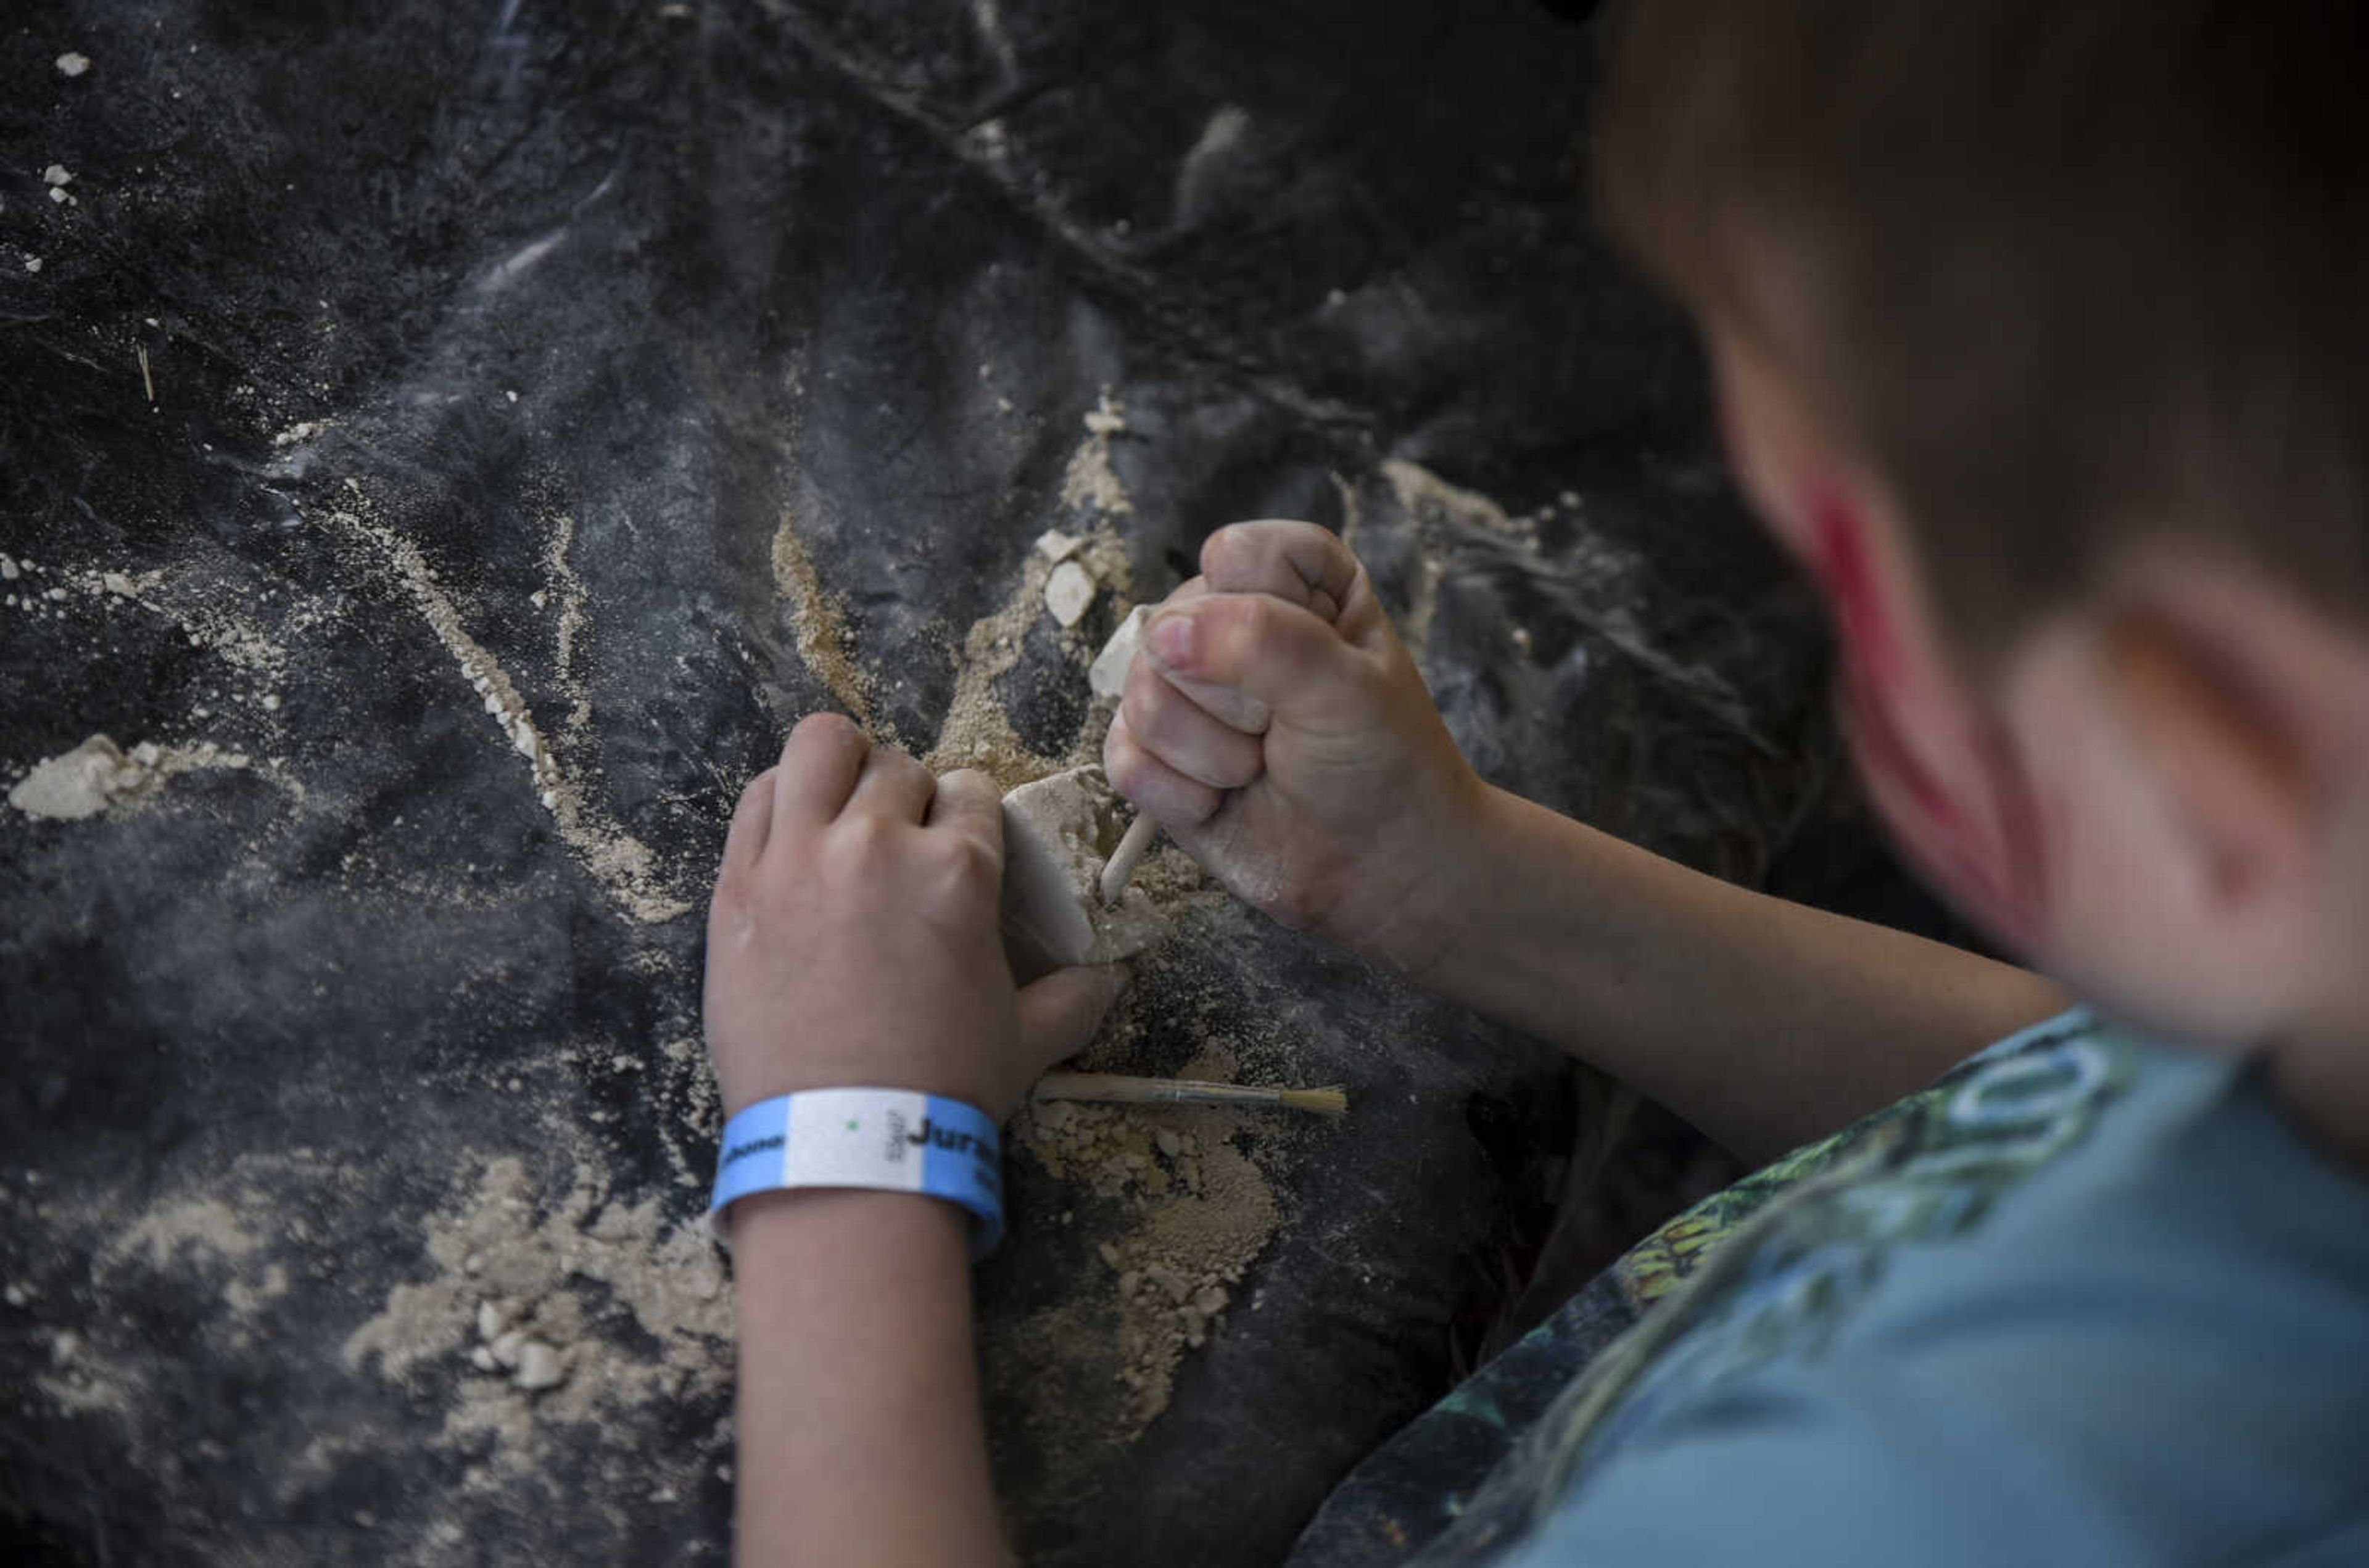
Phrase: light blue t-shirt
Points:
(2087, 1301)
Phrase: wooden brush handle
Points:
(1120, 868)
(1117, 1089)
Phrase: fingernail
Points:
(1171, 638)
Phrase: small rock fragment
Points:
(1107, 675)
(1068, 594)
(482, 1358)
(493, 1317)
(507, 1347)
(72, 63)
(1056, 546)
(1169, 1143)
(57, 174)
(1109, 1256)
(1209, 1301)
(540, 1367)
(32, 264)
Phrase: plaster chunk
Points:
(1058, 832)
(1107, 675)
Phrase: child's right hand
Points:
(1279, 732)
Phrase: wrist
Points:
(1465, 900)
(965, 1076)
(1443, 867)
(795, 1218)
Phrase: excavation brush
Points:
(1113, 1089)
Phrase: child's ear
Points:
(2206, 712)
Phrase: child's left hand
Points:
(853, 939)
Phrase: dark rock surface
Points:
(413, 402)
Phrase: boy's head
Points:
(2041, 334)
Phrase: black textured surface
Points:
(866, 267)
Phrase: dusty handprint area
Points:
(436, 465)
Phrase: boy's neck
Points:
(2322, 1083)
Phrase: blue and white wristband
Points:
(892, 1139)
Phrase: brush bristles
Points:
(1329, 1100)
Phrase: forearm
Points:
(1763, 1022)
(860, 1438)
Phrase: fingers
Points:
(1216, 749)
(1273, 653)
(892, 784)
(968, 803)
(1235, 709)
(820, 765)
(1154, 786)
(1059, 1013)
(751, 820)
(1228, 707)
(1299, 562)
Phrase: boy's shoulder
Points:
(2087, 1297)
